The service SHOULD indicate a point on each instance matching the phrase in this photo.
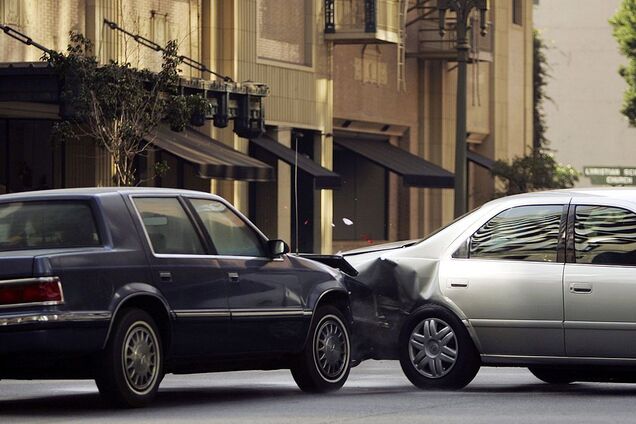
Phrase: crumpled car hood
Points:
(406, 272)
(404, 279)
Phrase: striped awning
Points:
(211, 158)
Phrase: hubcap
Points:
(433, 348)
(140, 357)
(331, 349)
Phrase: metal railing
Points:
(361, 15)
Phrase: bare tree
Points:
(114, 104)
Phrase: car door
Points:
(188, 277)
(266, 295)
(507, 279)
(600, 280)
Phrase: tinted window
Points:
(605, 235)
(168, 226)
(529, 233)
(229, 233)
(41, 225)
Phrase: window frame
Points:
(571, 227)
(466, 241)
(208, 238)
(310, 43)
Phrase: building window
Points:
(11, 13)
(29, 159)
(360, 205)
(370, 68)
(517, 12)
(284, 31)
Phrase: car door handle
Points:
(580, 288)
(165, 277)
(458, 283)
(233, 277)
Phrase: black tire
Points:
(433, 350)
(553, 375)
(329, 334)
(132, 362)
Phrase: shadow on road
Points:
(88, 404)
(576, 389)
(58, 405)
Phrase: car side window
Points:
(526, 233)
(230, 235)
(605, 235)
(169, 229)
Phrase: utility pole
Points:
(463, 9)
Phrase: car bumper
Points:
(53, 332)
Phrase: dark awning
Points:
(480, 160)
(211, 158)
(323, 178)
(29, 82)
(415, 171)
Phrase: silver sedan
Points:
(543, 280)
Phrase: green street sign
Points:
(611, 175)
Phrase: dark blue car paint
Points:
(214, 322)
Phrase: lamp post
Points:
(463, 10)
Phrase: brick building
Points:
(356, 90)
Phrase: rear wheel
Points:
(325, 362)
(436, 351)
(553, 375)
(132, 363)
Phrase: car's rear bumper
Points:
(53, 332)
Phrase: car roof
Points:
(622, 193)
(101, 191)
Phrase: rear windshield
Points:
(46, 225)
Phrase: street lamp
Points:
(463, 10)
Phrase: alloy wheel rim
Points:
(331, 349)
(140, 358)
(433, 348)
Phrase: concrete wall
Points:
(499, 110)
(47, 22)
(300, 94)
(585, 126)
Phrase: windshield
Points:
(444, 227)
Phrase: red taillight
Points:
(30, 291)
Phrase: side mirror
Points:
(463, 251)
(277, 248)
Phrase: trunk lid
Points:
(16, 265)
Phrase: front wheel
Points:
(132, 363)
(324, 363)
(436, 351)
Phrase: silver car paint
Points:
(601, 322)
(514, 310)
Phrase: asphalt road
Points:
(376, 392)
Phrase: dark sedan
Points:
(126, 285)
